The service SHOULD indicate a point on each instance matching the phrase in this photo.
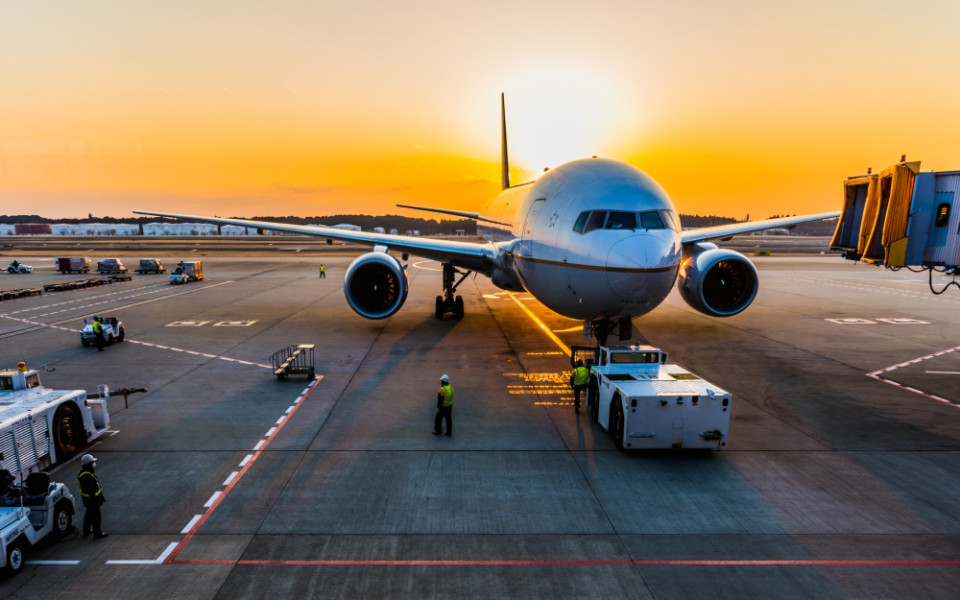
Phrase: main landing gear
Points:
(447, 303)
(603, 327)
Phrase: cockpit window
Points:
(670, 218)
(651, 220)
(595, 221)
(581, 222)
(621, 220)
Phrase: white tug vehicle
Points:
(30, 512)
(646, 403)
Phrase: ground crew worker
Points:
(98, 331)
(323, 272)
(444, 407)
(578, 380)
(92, 495)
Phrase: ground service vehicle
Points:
(645, 403)
(112, 332)
(150, 265)
(15, 268)
(187, 271)
(29, 513)
(39, 426)
(111, 265)
(76, 264)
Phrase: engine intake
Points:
(376, 285)
(716, 282)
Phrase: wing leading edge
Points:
(473, 256)
(702, 234)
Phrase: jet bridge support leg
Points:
(448, 303)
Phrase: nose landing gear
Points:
(447, 303)
(603, 327)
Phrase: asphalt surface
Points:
(841, 478)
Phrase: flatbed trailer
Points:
(646, 403)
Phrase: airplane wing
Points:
(458, 213)
(472, 256)
(701, 234)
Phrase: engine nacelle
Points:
(375, 285)
(716, 282)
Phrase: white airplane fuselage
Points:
(619, 260)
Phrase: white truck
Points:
(113, 331)
(646, 403)
(30, 512)
(39, 426)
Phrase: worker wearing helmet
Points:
(92, 495)
(578, 380)
(444, 407)
(98, 331)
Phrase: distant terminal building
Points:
(379, 230)
(32, 229)
(347, 226)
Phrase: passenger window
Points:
(581, 222)
(943, 215)
(670, 218)
(621, 220)
(595, 221)
(651, 220)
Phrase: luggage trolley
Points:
(294, 360)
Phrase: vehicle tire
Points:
(121, 334)
(85, 342)
(458, 307)
(616, 423)
(11, 270)
(62, 519)
(593, 399)
(439, 307)
(15, 557)
(67, 431)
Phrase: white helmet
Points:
(86, 459)
(445, 378)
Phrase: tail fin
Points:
(504, 162)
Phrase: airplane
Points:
(594, 239)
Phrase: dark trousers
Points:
(100, 341)
(577, 390)
(444, 412)
(91, 517)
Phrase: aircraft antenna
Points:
(504, 163)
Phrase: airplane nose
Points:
(639, 265)
(624, 260)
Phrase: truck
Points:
(29, 513)
(113, 331)
(73, 264)
(186, 271)
(40, 427)
(150, 265)
(646, 403)
(111, 265)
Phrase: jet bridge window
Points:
(621, 220)
(651, 220)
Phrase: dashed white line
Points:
(270, 432)
(259, 444)
(212, 499)
(226, 482)
(244, 462)
(280, 420)
(190, 525)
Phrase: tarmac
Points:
(841, 477)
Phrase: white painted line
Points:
(259, 445)
(270, 432)
(943, 372)
(212, 499)
(280, 420)
(131, 562)
(230, 478)
(190, 525)
(166, 552)
(53, 562)
(286, 412)
(244, 462)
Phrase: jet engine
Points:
(376, 285)
(716, 282)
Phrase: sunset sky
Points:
(311, 107)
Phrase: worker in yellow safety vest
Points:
(323, 272)
(444, 407)
(98, 331)
(92, 495)
(578, 380)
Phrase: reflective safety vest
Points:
(580, 375)
(97, 327)
(447, 392)
(95, 480)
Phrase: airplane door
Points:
(526, 234)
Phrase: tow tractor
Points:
(17, 267)
(112, 332)
(646, 403)
(30, 512)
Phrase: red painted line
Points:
(576, 563)
(172, 558)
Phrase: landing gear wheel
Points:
(121, 335)
(62, 520)
(439, 312)
(616, 424)
(67, 431)
(458, 307)
(14, 558)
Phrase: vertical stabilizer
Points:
(504, 162)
